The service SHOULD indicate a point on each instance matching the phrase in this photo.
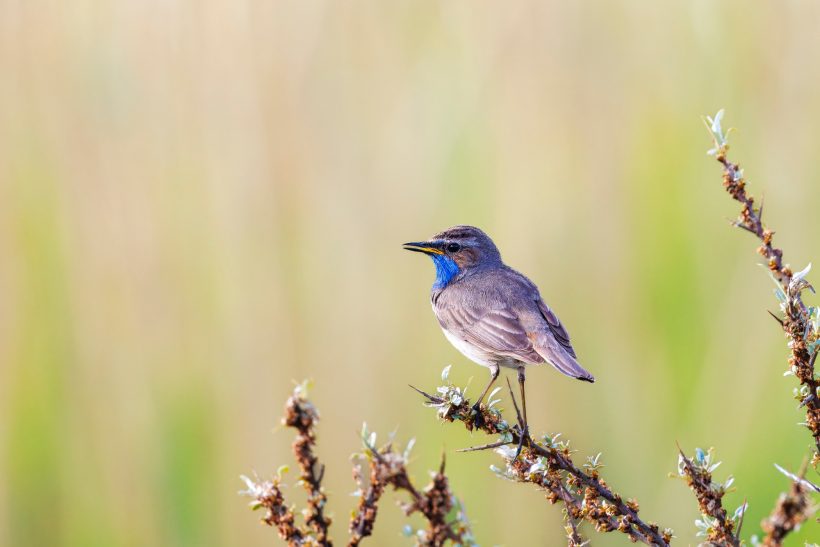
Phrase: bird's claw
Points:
(478, 418)
(522, 437)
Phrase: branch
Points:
(436, 503)
(364, 518)
(301, 415)
(714, 525)
(267, 495)
(792, 509)
(800, 324)
(548, 464)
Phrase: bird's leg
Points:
(521, 378)
(479, 419)
(525, 430)
(494, 370)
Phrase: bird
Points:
(493, 314)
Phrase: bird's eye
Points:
(453, 247)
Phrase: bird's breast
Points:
(470, 351)
(478, 355)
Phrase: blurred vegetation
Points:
(200, 201)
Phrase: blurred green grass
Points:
(201, 202)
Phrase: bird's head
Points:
(457, 251)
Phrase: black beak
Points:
(426, 247)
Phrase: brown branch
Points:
(267, 495)
(792, 509)
(574, 539)
(797, 322)
(548, 464)
(799, 326)
(301, 415)
(717, 527)
(435, 502)
(364, 518)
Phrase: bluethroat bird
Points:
(491, 313)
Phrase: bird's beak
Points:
(426, 247)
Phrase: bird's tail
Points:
(565, 363)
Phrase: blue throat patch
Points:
(446, 270)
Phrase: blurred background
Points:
(201, 202)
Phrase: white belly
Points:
(478, 355)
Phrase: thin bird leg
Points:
(479, 419)
(520, 422)
(521, 378)
(525, 433)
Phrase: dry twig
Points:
(267, 495)
(800, 324)
(715, 525)
(301, 415)
(436, 503)
(445, 518)
(548, 464)
(792, 509)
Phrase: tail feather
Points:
(565, 363)
(554, 346)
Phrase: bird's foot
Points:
(478, 419)
(524, 436)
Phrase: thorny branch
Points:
(440, 508)
(792, 509)
(548, 464)
(443, 512)
(715, 525)
(267, 495)
(364, 518)
(301, 415)
(800, 324)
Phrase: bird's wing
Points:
(558, 331)
(510, 320)
(553, 344)
(495, 329)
